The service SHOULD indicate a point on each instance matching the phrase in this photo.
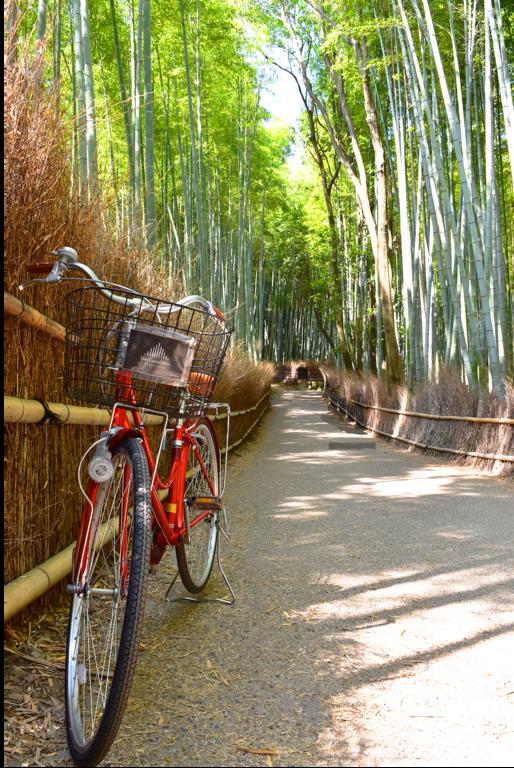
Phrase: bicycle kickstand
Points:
(187, 598)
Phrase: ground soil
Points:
(373, 626)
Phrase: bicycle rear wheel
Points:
(195, 559)
(106, 618)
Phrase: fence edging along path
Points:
(474, 454)
(435, 416)
(23, 411)
(23, 590)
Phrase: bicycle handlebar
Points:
(68, 260)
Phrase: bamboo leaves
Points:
(390, 249)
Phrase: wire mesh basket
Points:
(141, 351)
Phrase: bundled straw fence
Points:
(437, 417)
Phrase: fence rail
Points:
(20, 411)
(435, 416)
(30, 316)
(474, 454)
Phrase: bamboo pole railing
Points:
(253, 424)
(435, 416)
(20, 411)
(425, 446)
(30, 316)
(31, 585)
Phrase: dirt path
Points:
(374, 622)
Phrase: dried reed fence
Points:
(42, 503)
(374, 406)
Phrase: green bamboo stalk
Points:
(203, 236)
(114, 175)
(494, 23)
(194, 153)
(41, 21)
(123, 95)
(150, 208)
(89, 94)
(136, 51)
(57, 53)
(80, 94)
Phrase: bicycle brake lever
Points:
(54, 276)
(22, 286)
(66, 258)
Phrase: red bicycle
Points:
(142, 357)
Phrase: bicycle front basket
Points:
(144, 352)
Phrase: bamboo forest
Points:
(258, 382)
(375, 231)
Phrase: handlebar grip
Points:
(40, 268)
(219, 314)
(207, 306)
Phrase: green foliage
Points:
(218, 154)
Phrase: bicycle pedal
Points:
(201, 503)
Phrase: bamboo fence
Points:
(342, 405)
(434, 416)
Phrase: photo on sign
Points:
(159, 354)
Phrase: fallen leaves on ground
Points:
(33, 703)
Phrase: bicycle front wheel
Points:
(195, 558)
(106, 617)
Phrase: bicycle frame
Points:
(168, 514)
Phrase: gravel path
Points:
(374, 621)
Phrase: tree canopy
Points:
(388, 248)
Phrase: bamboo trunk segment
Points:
(17, 410)
(31, 585)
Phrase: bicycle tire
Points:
(195, 559)
(98, 679)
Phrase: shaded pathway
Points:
(374, 623)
